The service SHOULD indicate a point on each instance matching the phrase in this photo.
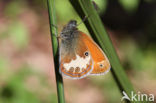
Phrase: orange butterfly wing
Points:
(101, 63)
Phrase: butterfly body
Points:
(79, 54)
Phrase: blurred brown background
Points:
(26, 65)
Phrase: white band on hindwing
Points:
(78, 62)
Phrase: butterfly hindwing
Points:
(75, 60)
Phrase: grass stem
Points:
(53, 31)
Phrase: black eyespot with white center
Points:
(86, 53)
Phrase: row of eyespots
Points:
(72, 69)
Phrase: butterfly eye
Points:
(65, 35)
(86, 53)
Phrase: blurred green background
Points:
(26, 65)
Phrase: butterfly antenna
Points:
(84, 19)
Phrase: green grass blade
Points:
(53, 31)
(99, 34)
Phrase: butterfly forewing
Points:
(101, 63)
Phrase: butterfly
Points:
(79, 55)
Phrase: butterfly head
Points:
(69, 30)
